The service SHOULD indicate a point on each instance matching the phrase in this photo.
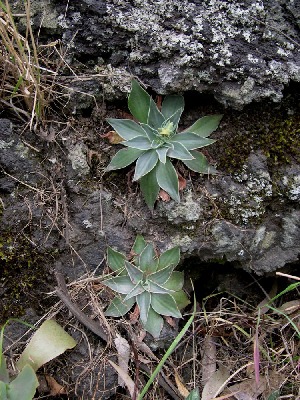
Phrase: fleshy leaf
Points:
(145, 163)
(115, 260)
(139, 244)
(143, 301)
(138, 289)
(191, 141)
(120, 284)
(150, 187)
(199, 164)
(167, 179)
(123, 158)
(126, 128)
(147, 259)
(181, 299)
(194, 395)
(170, 105)
(118, 307)
(139, 102)
(205, 125)
(154, 323)
(164, 304)
(48, 342)
(180, 152)
(24, 385)
(160, 277)
(162, 153)
(169, 257)
(155, 288)
(155, 117)
(4, 377)
(3, 391)
(134, 273)
(138, 142)
(175, 282)
(150, 132)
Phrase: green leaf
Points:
(167, 179)
(147, 259)
(164, 304)
(150, 132)
(120, 284)
(180, 152)
(4, 377)
(118, 307)
(145, 163)
(139, 244)
(170, 105)
(181, 299)
(175, 282)
(150, 187)
(3, 391)
(155, 117)
(160, 277)
(205, 125)
(139, 142)
(138, 289)
(194, 395)
(24, 385)
(126, 128)
(123, 158)
(115, 260)
(134, 273)
(139, 102)
(154, 323)
(162, 153)
(169, 257)
(191, 141)
(48, 342)
(199, 164)
(155, 288)
(143, 301)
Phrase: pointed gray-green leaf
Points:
(147, 260)
(199, 164)
(143, 301)
(191, 141)
(164, 304)
(3, 391)
(154, 323)
(171, 104)
(119, 307)
(167, 179)
(150, 132)
(145, 163)
(162, 153)
(175, 282)
(139, 142)
(138, 289)
(120, 284)
(134, 273)
(115, 260)
(126, 128)
(4, 377)
(161, 276)
(169, 257)
(194, 395)
(155, 117)
(155, 288)
(123, 158)
(180, 152)
(24, 385)
(205, 125)
(150, 187)
(139, 102)
(181, 299)
(175, 118)
(139, 244)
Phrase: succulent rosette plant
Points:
(149, 281)
(154, 140)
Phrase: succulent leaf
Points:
(191, 141)
(180, 152)
(164, 304)
(119, 307)
(150, 132)
(24, 385)
(145, 163)
(155, 117)
(167, 179)
(4, 377)
(150, 187)
(154, 323)
(139, 244)
(3, 391)
(206, 125)
(138, 289)
(169, 257)
(126, 128)
(115, 260)
(199, 163)
(160, 277)
(143, 301)
(181, 299)
(170, 106)
(138, 142)
(175, 282)
(139, 102)
(123, 158)
(147, 259)
(120, 284)
(134, 273)
(154, 287)
(162, 153)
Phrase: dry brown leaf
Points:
(126, 378)
(55, 388)
(171, 321)
(182, 182)
(113, 137)
(247, 390)
(213, 385)
(123, 349)
(164, 195)
(134, 316)
(209, 359)
(180, 386)
(290, 307)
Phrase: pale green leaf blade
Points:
(123, 158)
(150, 187)
(180, 152)
(118, 307)
(147, 259)
(181, 299)
(155, 288)
(199, 163)
(134, 273)
(143, 301)
(139, 142)
(48, 342)
(145, 163)
(205, 125)
(164, 304)
(115, 260)
(194, 395)
(160, 277)
(154, 323)
(191, 141)
(162, 153)
(176, 281)
(120, 284)
(169, 257)
(150, 132)
(24, 385)
(139, 102)
(167, 179)
(4, 377)
(3, 391)
(126, 128)
(170, 105)
(138, 289)
(139, 244)
(155, 117)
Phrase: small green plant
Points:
(150, 281)
(155, 139)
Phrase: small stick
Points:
(288, 276)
